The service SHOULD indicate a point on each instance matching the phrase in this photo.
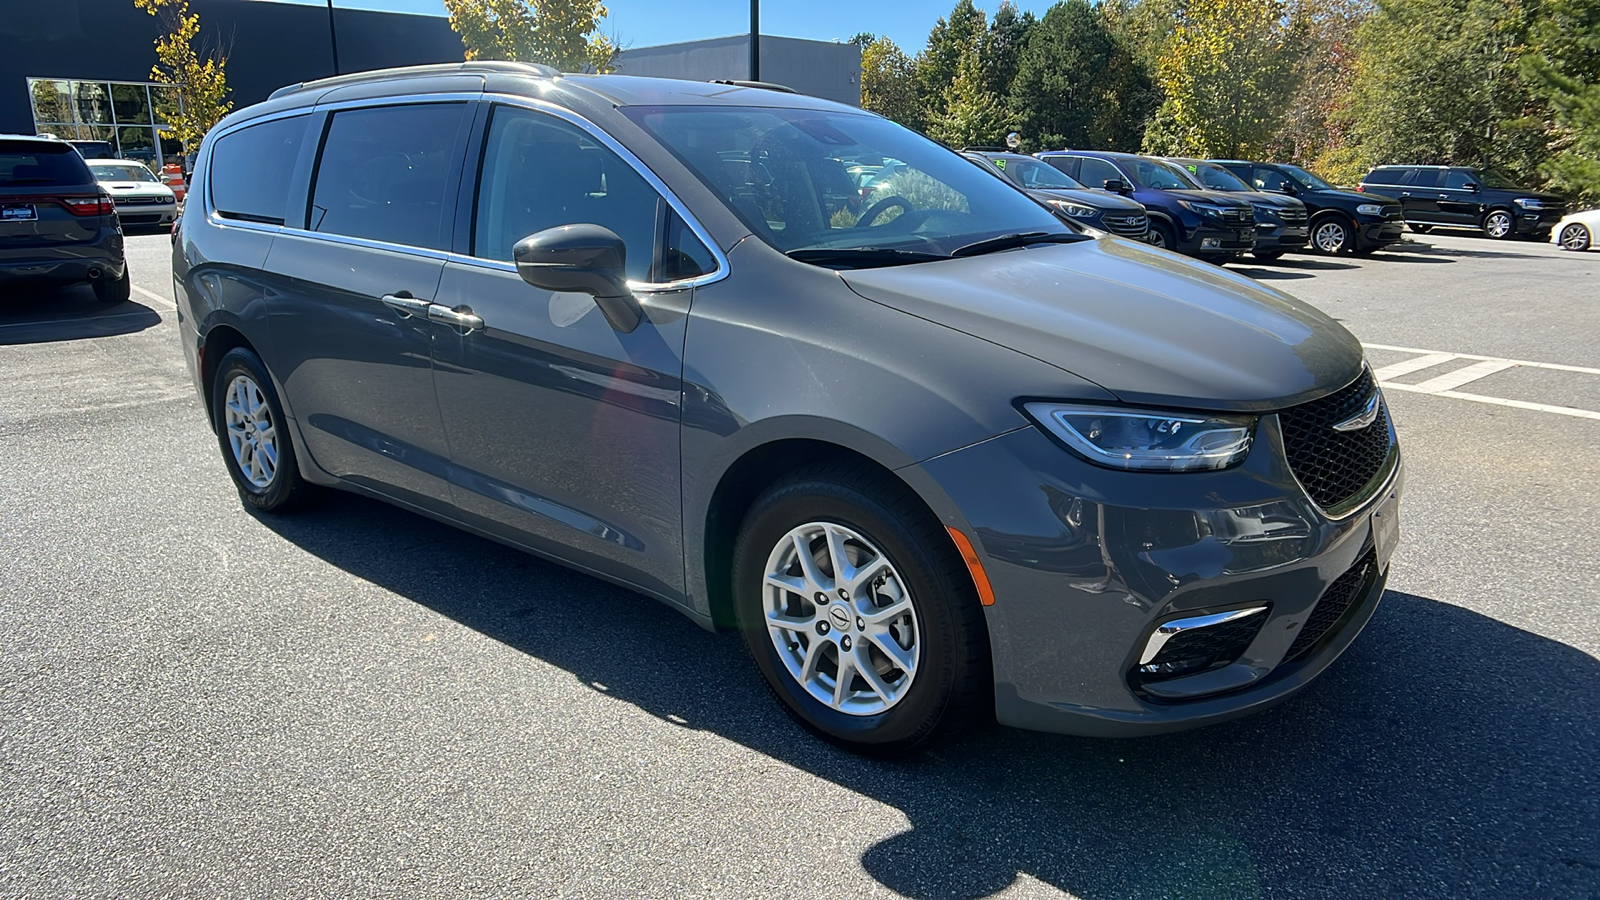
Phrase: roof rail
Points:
(763, 85)
(496, 66)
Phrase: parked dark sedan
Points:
(1280, 219)
(57, 224)
(1095, 209)
(1341, 221)
(937, 454)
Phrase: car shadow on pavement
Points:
(1445, 755)
(43, 315)
(1434, 253)
(1261, 274)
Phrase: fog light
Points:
(1210, 243)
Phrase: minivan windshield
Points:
(1493, 179)
(786, 174)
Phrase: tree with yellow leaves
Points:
(196, 72)
(559, 33)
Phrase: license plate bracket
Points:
(18, 212)
(1386, 528)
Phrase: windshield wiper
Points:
(1008, 241)
(862, 257)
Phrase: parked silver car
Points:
(938, 456)
(140, 197)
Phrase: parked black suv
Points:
(1340, 220)
(57, 224)
(1457, 196)
(1049, 185)
(1280, 219)
(1210, 225)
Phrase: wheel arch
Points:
(219, 340)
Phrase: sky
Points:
(640, 23)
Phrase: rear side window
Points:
(26, 163)
(1385, 176)
(250, 170)
(384, 174)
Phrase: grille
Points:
(1335, 602)
(1239, 216)
(1130, 225)
(139, 201)
(1292, 216)
(1334, 465)
(1205, 648)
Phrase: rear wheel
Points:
(1576, 237)
(1499, 224)
(859, 613)
(250, 428)
(1419, 229)
(1330, 234)
(110, 291)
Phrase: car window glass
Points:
(37, 162)
(542, 172)
(684, 255)
(1217, 178)
(1458, 180)
(384, 173)
(1388, 176)
(1153, 174)
(1038, 175)
(250, 170)
(1270, 180)
(129, 172)
(1096, 172)
(1493, 179)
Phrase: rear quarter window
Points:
(251, 169)
(27, 163)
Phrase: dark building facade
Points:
(85, 63)
(819, 68)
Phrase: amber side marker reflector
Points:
(980, 578)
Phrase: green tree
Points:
(196, 71)
(1078, 85)
(1564, 69)
(560, 33)
(1439, 81)
(1226, 72)
(972, 115)
(1001, 50)
(949, 43)
(1314, 129)
(889, 82)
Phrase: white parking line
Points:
(155, 298)
(1445, 385)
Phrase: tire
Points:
(1269, 255)
(1419, 229)
(1161, 235)
(111, 292)
(1330, 235)
(1499, 224)
(1576, 237)
(256, 446)
(937, 684)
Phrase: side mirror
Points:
(1290, 189)
(1116, 186)
(1472, 186)
(586, 259)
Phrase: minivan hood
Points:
(1096, 199)
(1151, 327)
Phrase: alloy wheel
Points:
(1497, 224)
(1575, 237)
(841, 618)
(252, 435)
(1330, 237)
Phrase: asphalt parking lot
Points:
(359, 702)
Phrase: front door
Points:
(1459, 204)
(348, 312)
(564, 432)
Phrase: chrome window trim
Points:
(544, 106)
(365, 243)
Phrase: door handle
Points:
(461, 317)
(1405, 193)
(405, 304)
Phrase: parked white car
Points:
(1577, 231)
(140, 196)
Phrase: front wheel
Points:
(1161, 235)
(1419, 229)
(859, 613)
(1499, 224)
(249, 422)
(1331, 235)
(1575, 237)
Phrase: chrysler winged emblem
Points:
(1362, 419)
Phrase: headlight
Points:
(1370, 209)
(1529, 203)
(1148, 440)
(1209, 212)
(1074, 210)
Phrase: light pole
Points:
(755, 39)
(333, 38)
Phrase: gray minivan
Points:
(938, 456)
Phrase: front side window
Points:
(1160, 176)
(541, 172)
(786, 173)
(384, 174)
(1307, 180)
(251, 168)
(1494, 179)
(1096, 172)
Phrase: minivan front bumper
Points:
(1087, 564)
